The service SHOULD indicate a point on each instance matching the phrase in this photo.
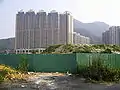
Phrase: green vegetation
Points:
(69, 48)
(97, 71)
(107, 50)
(34, 51)
(9, 74)
(51, 49)
(23, 66)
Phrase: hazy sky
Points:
(107, 11)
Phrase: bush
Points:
(23, 66)
(84, 49)
(1, 78)
(3, 74)
(33, 51)
(51, 49)
(107, 51)
(9, 73)
(97, 71)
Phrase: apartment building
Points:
(80, 39)
(53, 28)
(112, 36)
(40, 30)
(66, 28)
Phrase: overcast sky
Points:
(107, 11)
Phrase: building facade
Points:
(112, 36)
(66, 29)
(40, 30)
(53, 28)
(79, 39)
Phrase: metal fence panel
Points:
(55, 63)
(43, 62)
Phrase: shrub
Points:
(4, 71)
(82, 50)
(97, 71)
(33, 51)
(1, 78)
(23, 66)
(51, 49)
(68, 48)
(116, 48)
(107, 51)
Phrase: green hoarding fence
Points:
(59, 62)
(43, 62)
(111, 60)
(54, 62)
(14, 60)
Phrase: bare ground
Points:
(56, 81)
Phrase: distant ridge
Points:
(93, 30)
(7, 43)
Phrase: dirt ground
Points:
(56, 81)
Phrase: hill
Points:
(93, 30)
(96, 28)
(7, 44)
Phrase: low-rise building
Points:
(80, 39)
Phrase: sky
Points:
(86, 11)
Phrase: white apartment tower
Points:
(66, 29)
(79, 39)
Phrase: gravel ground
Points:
(57, 82)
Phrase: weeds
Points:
(9, 74)
(23, 66)
(97, 71)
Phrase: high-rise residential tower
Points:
(25, 26)
(66, 29)
(19, 30)
(112, 36)
(40, 30)
(53, 28)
